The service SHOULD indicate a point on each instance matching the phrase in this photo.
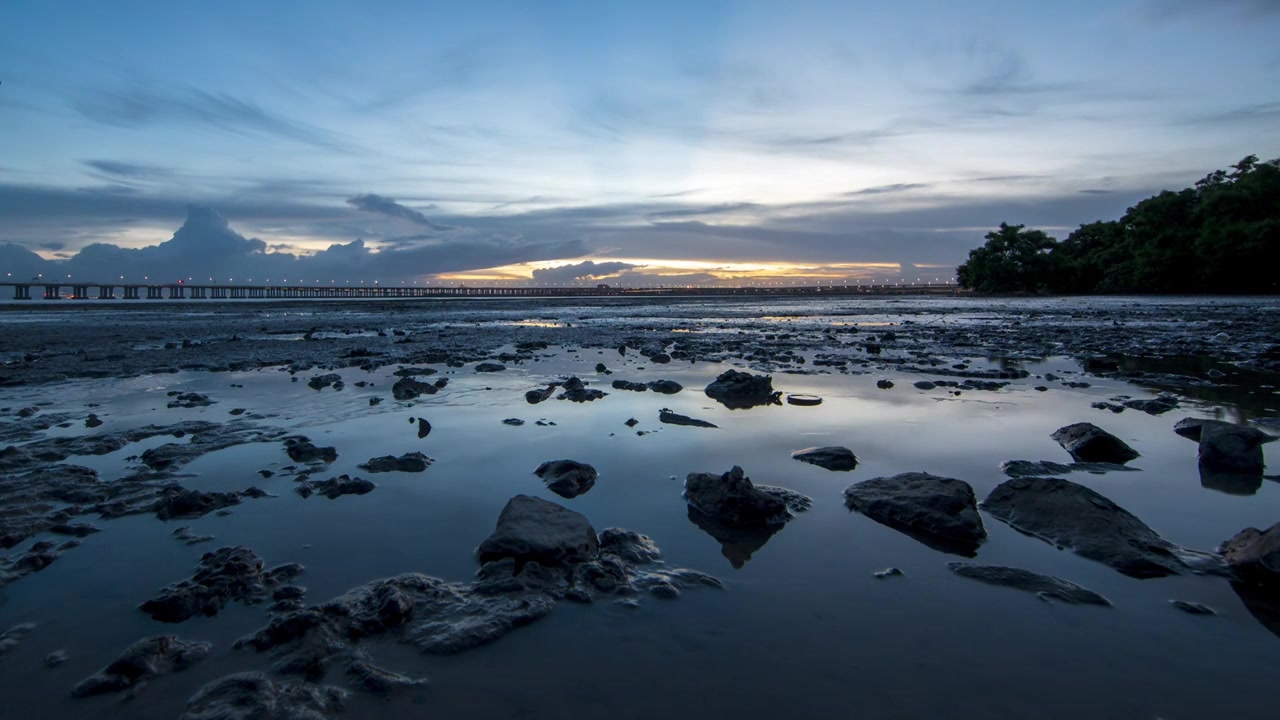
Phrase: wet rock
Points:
(375, 401)
(576, 391)
(630, 386)
(11, 638)
(254, 696)
(665, 387)
(74, 529)
(631, 422)
(27, 412)
(1108, 406)
(832, 457)
(319, 382)
(178, 502)
(406, 388)
(660, 358)
(424, 427)
(1236, 448)
(887, 573)
(1044, 586)
(189, 400)
(670, 418)
(1192, 608)
(567, 478)
(1087, 442)
(1254, 556)
(92, 421)
(737, 390)
(534, 530)
(1152, 406)
(141, 662)
(533, 397)
(224, 575)
(733, 499)
(301, 450)
(939, 512)
(630, 546)
(490, 367)
(414, 372)
(57, 658)
(924, 385)
(1046, 468)
(408, 462)
(335, 487)
(185, 535)
(1075, 517)
(515, 422)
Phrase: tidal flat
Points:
(210, 510)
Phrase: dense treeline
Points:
(1222, 236)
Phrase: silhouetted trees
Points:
(1222, 236)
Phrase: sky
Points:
(635, 143)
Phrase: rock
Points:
(631, 422)
(1152, 406)
(630, 546)
(534, 530)
(1043, 585)
(515, 422)
(9, 639)
(1045, 468)
(884, 384)
(57, 658)
(185, 535)
(424, 427)
(924, 385)
(336, 487)
(1254, 556)
(224, 575)
(1192, 608)
(254, 696)
(665, 387)
(630, 386)
(533, 397)
(660, 358)
(1075, 517)
(406, 388)
(92, 421)
(319, 382)
(375, 401)
(189, 400)
(27, 412)
(414, 371)
(832, 457)
(141, 662)
(939, 512)
(408, 462)
(671, 418)
(1236, 448)
(804, 400)
(1087, 442)
(887, 573)
(733, 499)
(738, 390)
(490, 367)
(1108, 406)
(74, 529)
(576, 391)
(567, 478)
(178, 502)
(301, 450)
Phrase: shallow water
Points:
(803, 629)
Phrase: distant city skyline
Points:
(564, 142)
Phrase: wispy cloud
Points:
(386, 206)
(883, 189)
(131, 171)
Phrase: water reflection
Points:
(737, 543)
(1228, 482)
(1263, 605)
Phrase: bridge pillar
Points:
(79, 292)
(52, 292)
(176, 293)
(21, 292)
(130, 292)
(106, 292)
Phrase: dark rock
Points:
(224, 575)
(660, 358)
(336, 487)
(185, 535)
(733, 499)
(375, 401)
(409, 462)
(924, 385)
(178, 502)
(11, 638)
(1087, 442)
(1152, 406)
(92, 421)
(424, 428)
(141, 662)
(319, 382)
(567, 478)
(628, 385)
(254, 696)
(406, 388)
(736, 389)
(887, 573)
(1254, 556)
(630, 546)
(516, 422)
(57, 658)
(576, 391)
(74, 529)
(939, 512)
(1108, 406)
(631, 422)
(301, 450)
(534, 530)
(671, 418)
(1237, 448)
(1046, 468)
(489, 367)
(665, 387)
(414, 371)
(1043, 585)
(533, 397)
(1075, 517)
(832, 457)
(189, 400)
(1192, 608)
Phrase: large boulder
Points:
(406, 388)
(1075, 517)
(1191, 428)
(732, 498)
(1232, 447)
(938, 511)
(736, 389)
(1089, 443)
(832, 457)
(409, 462)
(1044, 586)
(567, 478)
(1254, 555)
(535, 530)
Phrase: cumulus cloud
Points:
(385, 205)
(586, 270)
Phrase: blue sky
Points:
(697, 140)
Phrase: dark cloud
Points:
(586, 270)
(882, 189)
(1095, 191)
(139, 108)
(1256, 114)
(53, 245)
(706, 210)
(128, 170)
(387, 206)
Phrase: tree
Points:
(1013, 259)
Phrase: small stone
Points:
(887, 573)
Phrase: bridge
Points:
(208, 291)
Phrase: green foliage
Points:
(1222, 236)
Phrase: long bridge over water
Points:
(210, 291)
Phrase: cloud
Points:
(53, 245)
(882, 189)
(385, 205)
(720, 209)
(139, 108)
(586, 270)
(1167, 10)
(128, 170)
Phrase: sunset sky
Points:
(631, 143)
